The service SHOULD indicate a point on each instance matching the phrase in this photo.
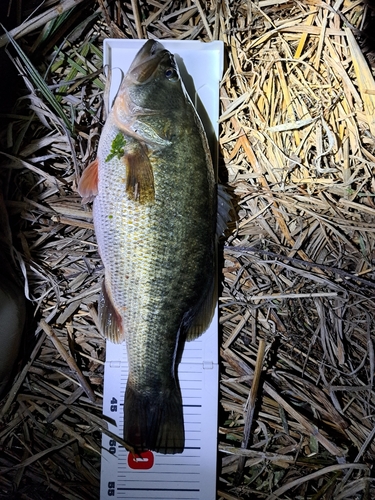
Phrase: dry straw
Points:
(297, 299)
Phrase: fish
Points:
(12, 303)
(154, 197)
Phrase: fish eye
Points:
(171, 74)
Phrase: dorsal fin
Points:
(224, 206)
(204, 314)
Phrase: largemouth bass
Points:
(154, 209)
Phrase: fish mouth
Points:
(147, 61)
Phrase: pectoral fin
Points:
(139, 175)
(88, 184)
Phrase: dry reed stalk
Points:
(250, 407)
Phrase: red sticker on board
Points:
(143, 460)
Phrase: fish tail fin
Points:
(154, 421)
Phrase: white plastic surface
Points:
(191, 474)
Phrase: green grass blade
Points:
(39, 83)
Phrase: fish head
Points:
(153, 80)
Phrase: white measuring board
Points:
(190, 475)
